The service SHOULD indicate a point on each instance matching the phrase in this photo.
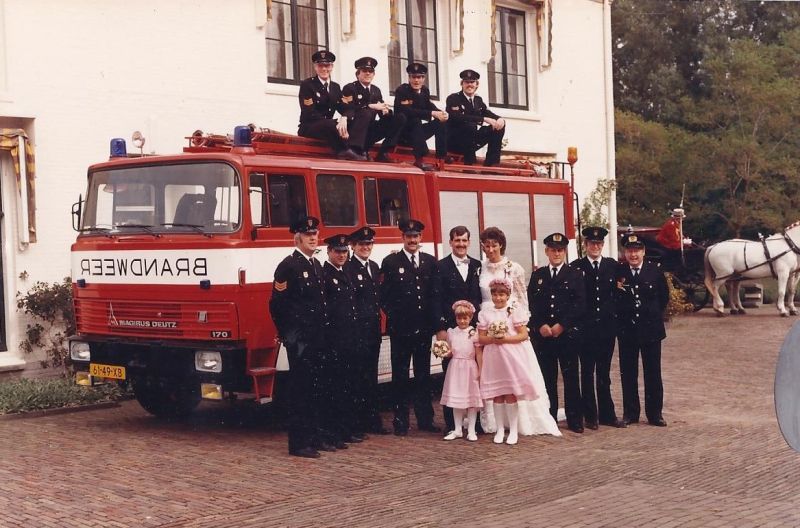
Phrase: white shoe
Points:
(452, 435)
(511, 414)
(472, 437)
(499, 418)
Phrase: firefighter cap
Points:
(366, 63)
(338, 242)
(633, 241)
(323, 56)
(416, 68)
(469, 75)
(304, 224)
(556, 241)
(363, 234)
(595, 234)
(411, 227)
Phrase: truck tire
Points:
(167, 398)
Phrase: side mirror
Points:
(77, 209)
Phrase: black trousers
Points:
(405, 349)
(367, 401)
(553, 352)
(465, 141)
(629, 351)
(416, 135)
(303, 419)
(324, 129)
(595, 359)
(388, 128)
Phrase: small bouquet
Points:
(440, 349)
(497, 329)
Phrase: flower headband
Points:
(496, 283)
(464, 305)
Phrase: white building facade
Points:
(75, 74)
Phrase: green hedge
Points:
(25, 395)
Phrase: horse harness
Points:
(769, 259)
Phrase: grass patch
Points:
(25, 395)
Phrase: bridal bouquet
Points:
(497, 329)
(440, 349)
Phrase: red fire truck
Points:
(173, 265)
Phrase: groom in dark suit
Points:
(457, 278)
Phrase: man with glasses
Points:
(472, 125)
(320, 98)
(423, 118)
(370, 117)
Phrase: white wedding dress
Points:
(534, 415)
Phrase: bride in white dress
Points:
(534, 415)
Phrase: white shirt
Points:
(364, 263)
(461, 266)
(415, 255)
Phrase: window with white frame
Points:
(413, 28)
(508, 68)
(295, 30)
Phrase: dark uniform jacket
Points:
(316, 103)
(355, 97)
(451, 288)
(341, 309)
(465, 115)
(415, 105)
(298, 302)
(365, 291)
(641, 302)
(408, 295)
(600, 317)
(561, 300)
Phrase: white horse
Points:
(776, 256)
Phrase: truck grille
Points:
(157, 319)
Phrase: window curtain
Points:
(10, 141)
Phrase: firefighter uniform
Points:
(465, 129)
(559, 298)
(642, 297)
(339, 376)
(319, 101)
(598, 332)
(297, 307)
(364, 276)
(417, 107)
(407, 297)
(365, 130)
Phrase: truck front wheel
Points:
(165, 397)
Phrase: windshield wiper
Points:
(196, 227)
(146, 227)
(104, 230)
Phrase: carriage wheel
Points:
(697, 294)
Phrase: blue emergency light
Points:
(241, 136)
(118, 148)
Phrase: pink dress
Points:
(505, 367)
(461, 389)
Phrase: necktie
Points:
(596, 266)
(554, 270)
(414, 261)
(368, 270)
(635, 273)
(325, 86)
(464, 261)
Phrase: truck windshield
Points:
(179, 198)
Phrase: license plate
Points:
(107, 371)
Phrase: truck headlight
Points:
(79, 351)
(207, 361)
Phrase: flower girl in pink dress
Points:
(505, 377)
(461, 390)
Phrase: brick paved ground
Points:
(721, 462)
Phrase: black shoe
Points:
(591, 425)
(348, 154)
(354, 439)
(306, 452)
(628, 421)
(339, 444)
(616, 422)
(382, 157)
(421, 165)
(576, 428)
(658, 422)
(399, 431)
(380, 430)
(430, 428)
(447, 159)
(325, 446)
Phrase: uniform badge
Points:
(305, 274)
(360, 277)
(540, 282)
(280, 286)
(308, 102)
(402, 270)
(360, 96)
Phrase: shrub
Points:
(678, 303)
(51, 306)
(25, 395)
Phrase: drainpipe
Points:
(610, 146)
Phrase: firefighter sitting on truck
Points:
(320, 98)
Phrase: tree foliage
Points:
(708, 96)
